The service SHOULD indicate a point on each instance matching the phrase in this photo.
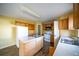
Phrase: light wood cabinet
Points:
(73, 20)
(51, 51)
(63, 23)
(39, 43)
(31, 26)
(48, 25)
(44, 26)
(76, 15)
(52, 40)
(70, 22)
(60, 24)
(31, 46)
(67, 23)
(25, 48)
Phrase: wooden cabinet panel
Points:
(52, 40)
(63, 24)
(70, 22)
(31, 26)
(19, 23)
(39, 43)
(51, 51)
(30, 47)
(76, 15)
(49, 24)
(60, 22)
(44, 27)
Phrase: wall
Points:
(36, 28)
(32, 22)
(6, 32)
(56, 30)
(71, 33)
(78, 32)
(56, 33)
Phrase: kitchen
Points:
(46, 35)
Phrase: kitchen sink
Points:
(70, 41)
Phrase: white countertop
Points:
(30, 38)
(66, 50)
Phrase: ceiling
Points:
(35, 11)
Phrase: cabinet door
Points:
(65, 23)
(76, 15)
(51, 51)
(60, 22)
(39, 43)
(29, 48)
(31, 26)
(70, 22)
(52, 40)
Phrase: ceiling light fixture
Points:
(29, 11)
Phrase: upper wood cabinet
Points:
(63, 23)
(31, 26)
(70, 21)
(76, 15)
(44, 26)
(48, 25)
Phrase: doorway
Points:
(39, 31)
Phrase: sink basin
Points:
(69, 41)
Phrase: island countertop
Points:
(29, 38)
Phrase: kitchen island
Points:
(30, 46)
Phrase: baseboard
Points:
(7, 46)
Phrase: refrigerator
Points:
(21, 34)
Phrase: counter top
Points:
(64, 49)
(30, 38)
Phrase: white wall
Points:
(78, 32)
(56, 33)
(56, 30)
(36, 28)
(71, 33)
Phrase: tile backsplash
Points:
(71, 33)
(78, 32)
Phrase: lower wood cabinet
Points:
(51, 51)
(39, 43)
(52, 40)
(30, 47)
